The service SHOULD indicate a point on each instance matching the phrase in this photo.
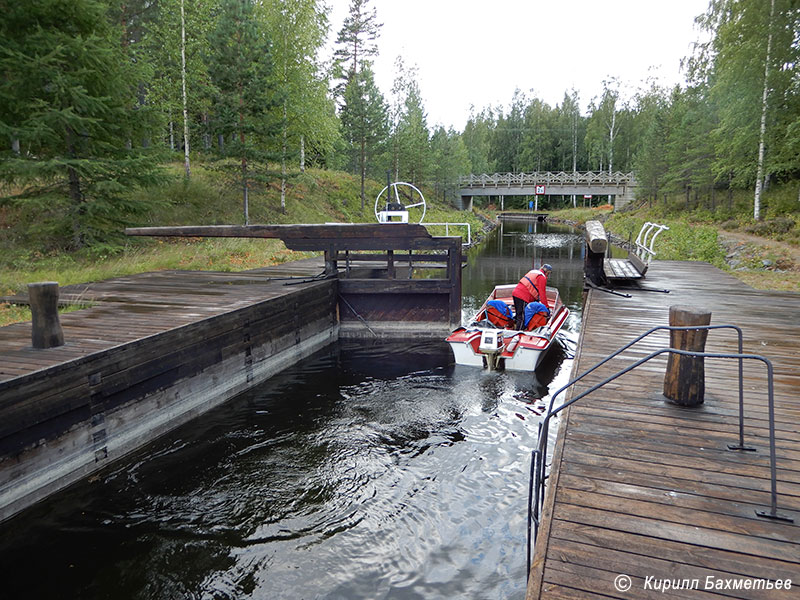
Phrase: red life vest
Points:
(531, 286)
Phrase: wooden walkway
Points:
(643, 489)
(125, 309)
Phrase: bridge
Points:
(618, 184)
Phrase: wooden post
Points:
(684, 381)
(390, 264)
(46, 332)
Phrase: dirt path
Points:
(789, 254)
(762, 263)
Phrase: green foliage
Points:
(364, 122)
(69, 99)
(683, 241)
(298, 29)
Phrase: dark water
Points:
(365, 471)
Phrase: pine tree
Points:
(240, 68)
(412, 137)
(70, 103)
(356, 42)
(363, 121)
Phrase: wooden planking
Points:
(60, 394)
(620, 268)
(136, 307)
(642, 487)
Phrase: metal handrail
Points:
(643, 246)
(447, 230)
(539, 455)
(549, 178)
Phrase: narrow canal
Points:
(365, 471)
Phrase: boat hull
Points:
(485, 346)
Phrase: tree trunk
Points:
(611, 131)
(283, 159)
(363, 160)
(302, 154)
(75, 194)
(763, 132)
(206, 136)
(186, 166)
(245, 187)
(15, 146)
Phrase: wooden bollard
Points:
(684, 382)
(46, 332)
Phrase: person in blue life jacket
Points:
(531, 288)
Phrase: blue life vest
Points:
(536, 315)
(499, 313)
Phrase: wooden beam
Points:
(335, 231)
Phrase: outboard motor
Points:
(491, 346)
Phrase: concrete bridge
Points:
(620, 185)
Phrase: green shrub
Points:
(771, 227)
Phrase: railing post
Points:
(46, 331)
(684, 381)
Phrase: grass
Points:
(316, 196)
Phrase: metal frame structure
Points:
(644, 246)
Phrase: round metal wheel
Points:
(403, 203)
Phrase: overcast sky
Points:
(477, 52)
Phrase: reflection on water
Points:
(366, 471)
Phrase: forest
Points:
(98, 96)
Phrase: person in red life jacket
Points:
(531, 288)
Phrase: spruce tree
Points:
(69, 112)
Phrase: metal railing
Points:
(447, 230)
(645, 240)
(547, 178)
(538, 477)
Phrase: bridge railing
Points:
(546, 178)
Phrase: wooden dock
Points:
(130, 308)
(646, 494)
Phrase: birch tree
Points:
(752, 73)
(763, 128)
(298, 29)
